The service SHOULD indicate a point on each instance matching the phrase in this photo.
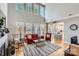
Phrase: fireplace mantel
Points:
(3, 39)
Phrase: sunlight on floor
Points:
(59, 42)
(19, 52)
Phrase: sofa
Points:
(29, 38)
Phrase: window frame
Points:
(31, 10)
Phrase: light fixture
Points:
(69, 14)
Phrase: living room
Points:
(38, 29)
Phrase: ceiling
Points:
(59, 10)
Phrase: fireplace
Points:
(74, 40)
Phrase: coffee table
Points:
(73, 50)
(68, 53)
(39, 43)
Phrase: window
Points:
(30, 7)
(42, 11)
(26, 7)
(49, 28)
(29, 28)
(36, 9)
(20, 7)
(19, 29)
(42, 29)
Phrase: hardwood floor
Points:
(59, 42)
(19, 52)
(59, 52)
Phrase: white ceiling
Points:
(59, 10)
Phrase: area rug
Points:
(40, 49)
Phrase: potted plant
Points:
(1, 24)
(1, 21)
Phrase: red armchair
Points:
(48, 36)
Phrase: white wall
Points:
(56, 11)
(3, 8)
(69, 33)
(1, 13)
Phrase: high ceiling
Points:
(59, 10)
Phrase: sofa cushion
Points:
(48, 36)
(34, 36)
(29, 37)
(35, 41)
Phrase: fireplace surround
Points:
(74, 40)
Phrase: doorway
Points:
(57, 31)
